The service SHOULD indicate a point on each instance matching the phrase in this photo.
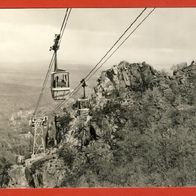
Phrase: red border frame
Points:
(191, 191)
(100, 192)
(95, 3)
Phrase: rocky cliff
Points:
(140, 132)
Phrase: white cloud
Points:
(167, 37)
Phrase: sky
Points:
(166, 38)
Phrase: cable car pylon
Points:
(39, 146)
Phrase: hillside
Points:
(141, 132)
(19, 91)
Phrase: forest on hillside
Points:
(144, 122)
(147, 131)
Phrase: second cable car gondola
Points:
(60, 86)
(83, 103)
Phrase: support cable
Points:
(62, 29)
(89, 75)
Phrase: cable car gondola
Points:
(60, 87)
(60, 84)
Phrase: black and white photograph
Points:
(97, 97)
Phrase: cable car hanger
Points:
(83, 82)
(60, 87)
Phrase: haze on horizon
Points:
(167, 37)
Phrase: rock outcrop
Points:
(129, 102)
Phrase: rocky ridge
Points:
(133, 108)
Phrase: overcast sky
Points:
(167, 37)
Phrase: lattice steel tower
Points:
(39, 146)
